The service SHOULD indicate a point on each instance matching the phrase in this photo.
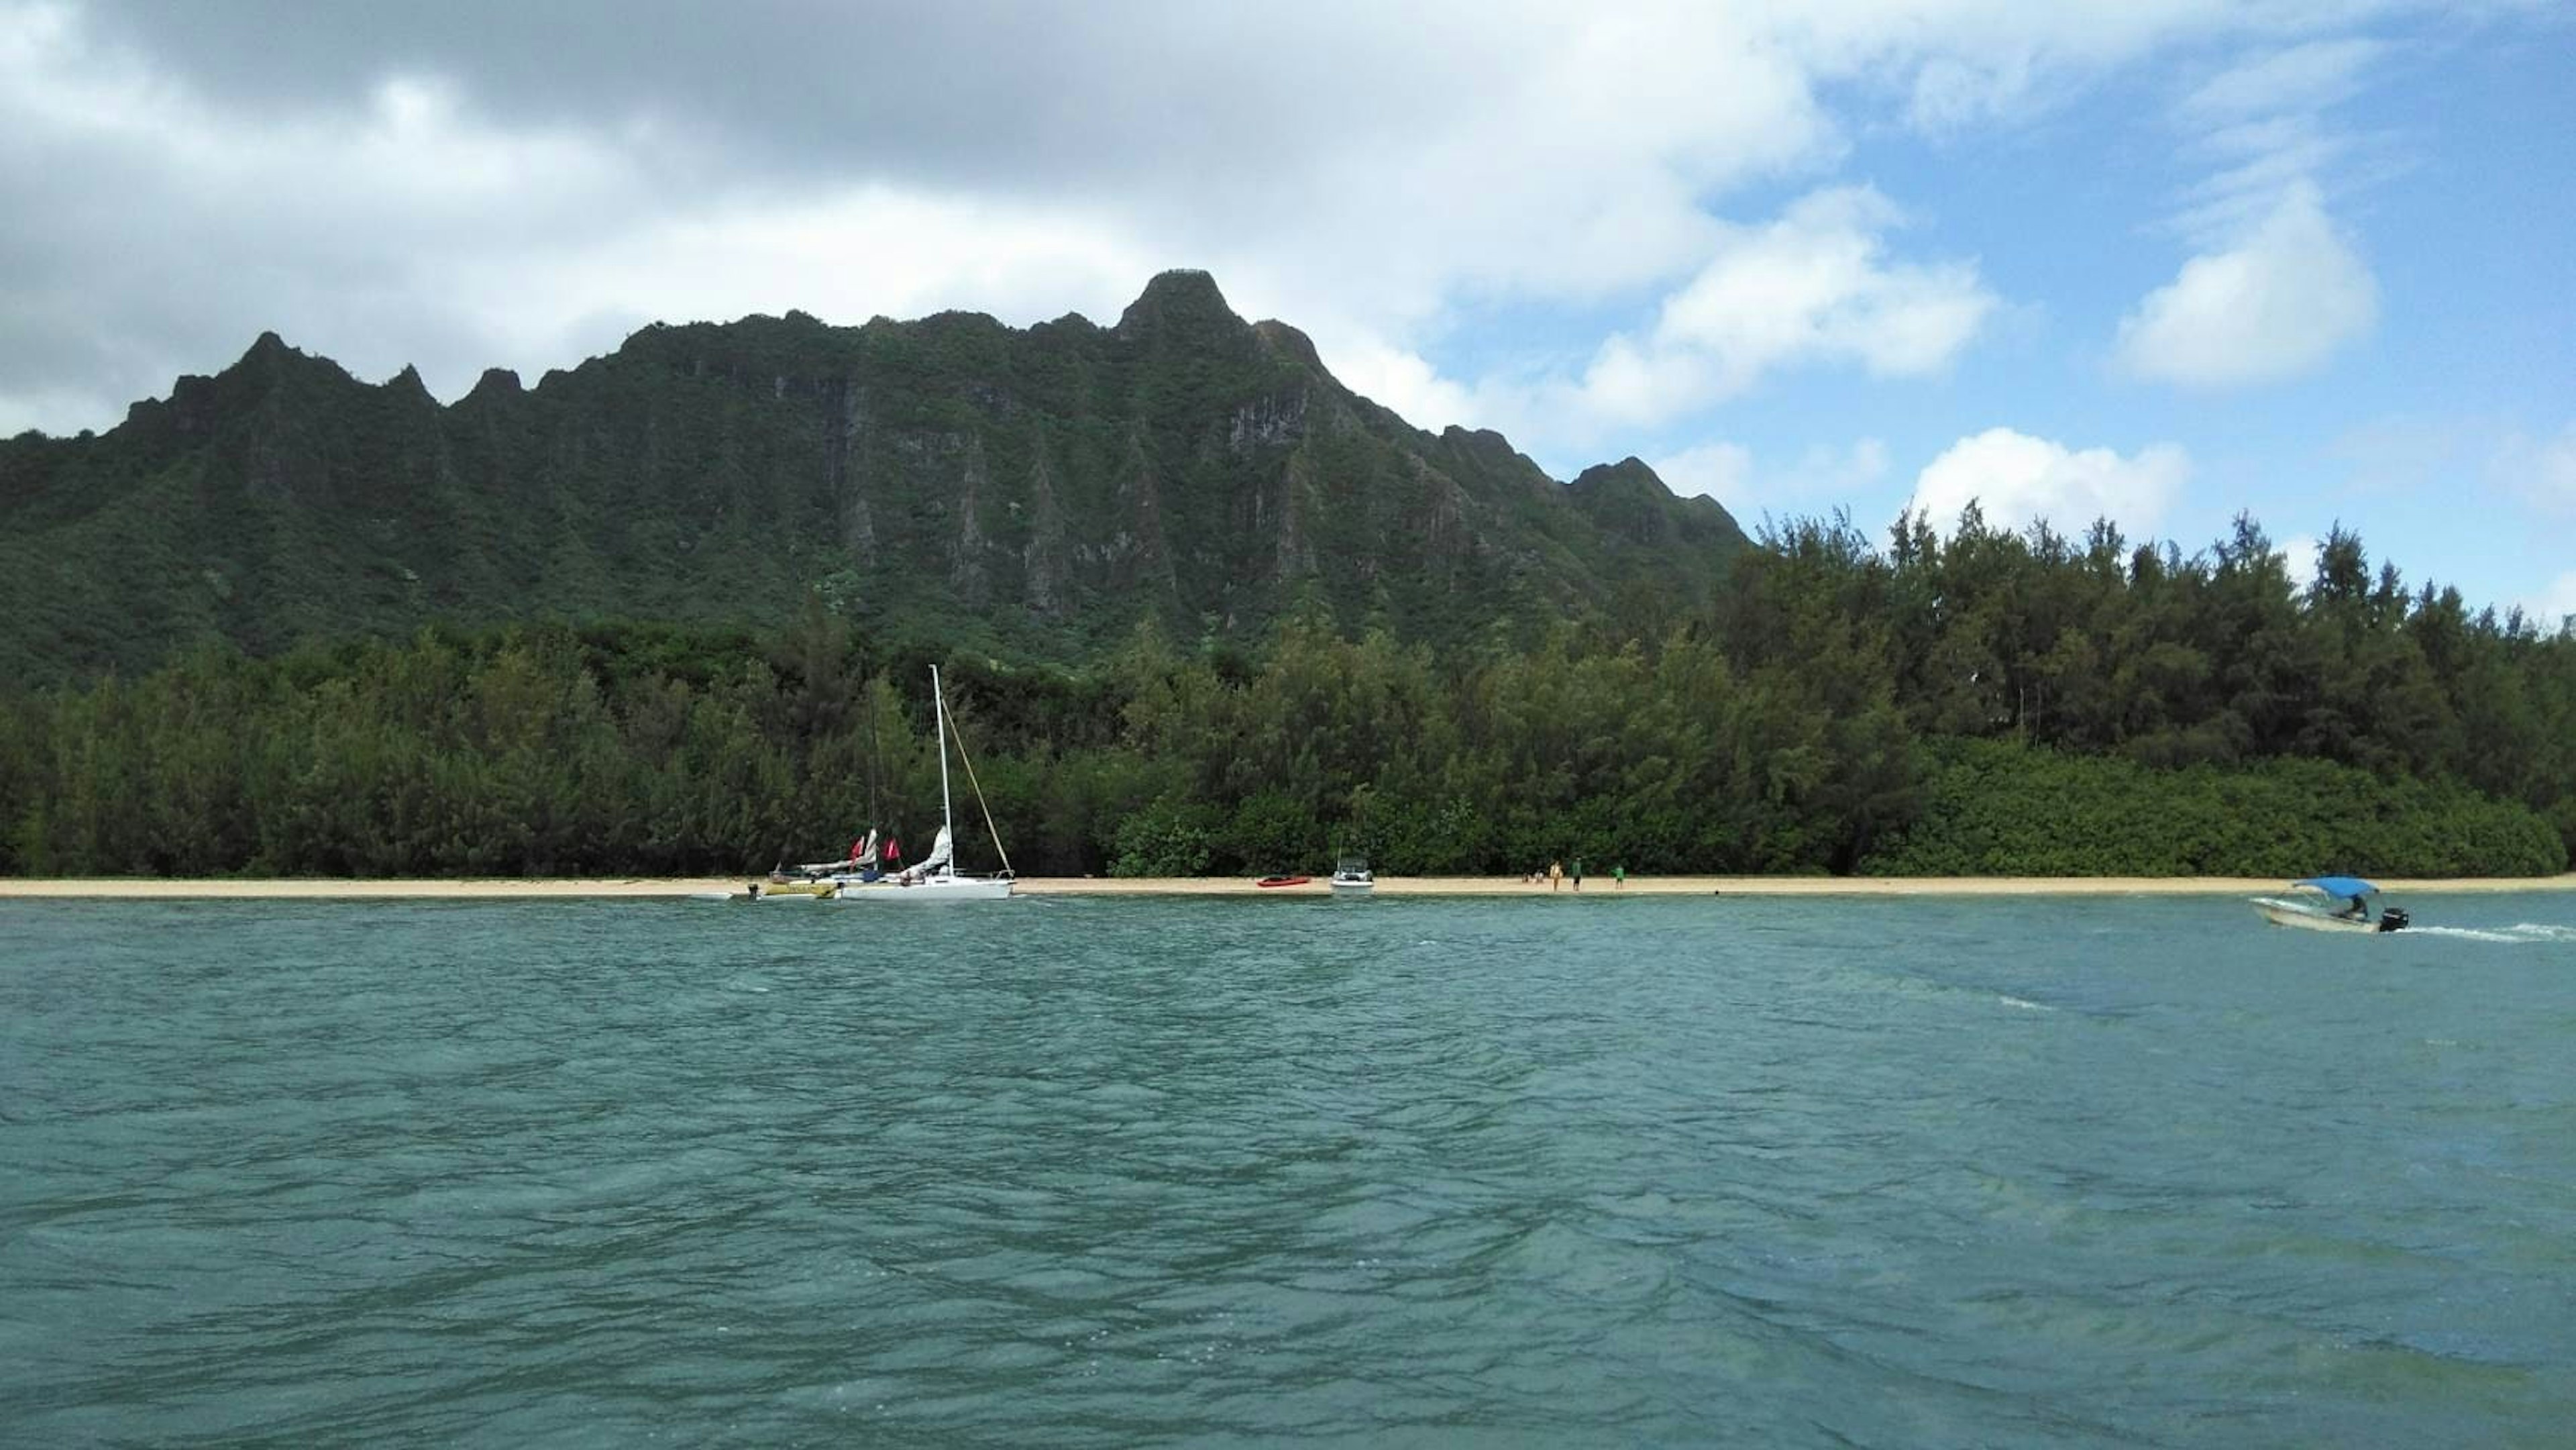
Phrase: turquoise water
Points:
(1068, 1172)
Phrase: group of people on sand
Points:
(869, 860)
(1555, 876)
(874, 862)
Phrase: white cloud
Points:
(1957, 63)
(2276, 305)
(844, 256)
(2551, 607)
(411, 186)
(1816, 283)
(1813, 287)
(2305, 77)
(518, 185)
(44, 409)
(449, 210)
(1395, 378)
(2017, 480)
(2543, 471)
(2274, 286)
(2261, 162)
(2264, 124)
(1823, 474)
(1837, 473)
(2299, 559)
(1710, 470)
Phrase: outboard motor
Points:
(2393, 919)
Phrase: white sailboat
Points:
(933, 878)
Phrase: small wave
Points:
(2025, 1006)
(2518, 934)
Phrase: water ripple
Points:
(1112, 1173)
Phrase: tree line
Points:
(1989, 702)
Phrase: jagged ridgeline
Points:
(950, 480)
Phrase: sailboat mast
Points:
(939, 714)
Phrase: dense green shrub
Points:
(1997, 808)
(1993, 703)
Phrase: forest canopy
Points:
(1990, 702)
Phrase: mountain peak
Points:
(1289, 342)
(1628, 498)
(272, 359)
(1031, 492)
(1630, 473)
(1180, 302)
(496, 383)
(1183, 286)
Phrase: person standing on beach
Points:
(1578, 873)
(1619, 877)
(1555, 874)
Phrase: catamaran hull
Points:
(937, 889)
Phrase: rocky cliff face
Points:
(1034, 492)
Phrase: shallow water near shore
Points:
(1424, 1172)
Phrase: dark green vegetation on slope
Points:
(1206, 611)
(1030, 494)
(1995, 703)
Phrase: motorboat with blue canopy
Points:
(2330, 903)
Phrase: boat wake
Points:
(2520, 933)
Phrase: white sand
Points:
(141, 888)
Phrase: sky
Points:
(2156, 261)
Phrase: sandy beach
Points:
(1593, 886)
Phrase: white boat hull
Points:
(934, 889)
(2309, 918)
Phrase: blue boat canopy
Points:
(2340, 885)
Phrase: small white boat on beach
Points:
(1351, 877)
(2316, 909)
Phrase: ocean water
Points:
(1538, 1172)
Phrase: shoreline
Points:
(157, 888)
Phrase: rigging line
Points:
(989, 827)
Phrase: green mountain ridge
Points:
(1036, 493)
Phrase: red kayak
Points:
(1282, 881)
